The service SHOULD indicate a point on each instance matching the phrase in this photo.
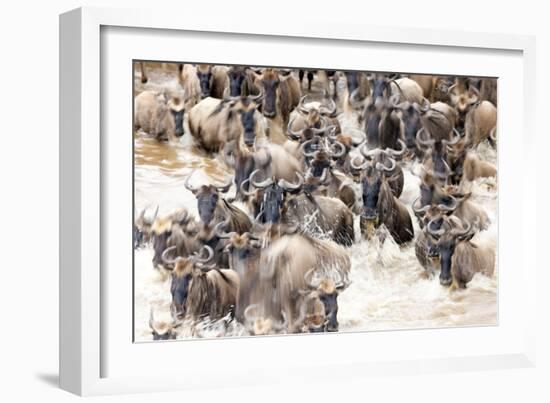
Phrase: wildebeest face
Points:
(179, 288)
(330, 301)
(318, 166)
(272, 205)
(270, 82)
(205, 81)
(371, 191)
(207, 200)
(446, 247)
(236, 79)
(248, 120)
(168, 335)
(426, 193)
(178, 121)
(411, 121)
(379, 86)
(373, 116)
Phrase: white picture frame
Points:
(85, 347)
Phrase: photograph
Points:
(271, 200)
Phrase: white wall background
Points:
(29, 197)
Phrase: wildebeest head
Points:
(242, 248)
(411, 121)
(162, 330)
(169, 231)
(237, 77)
(326, 290)
(447, 232)
(176, 106)
(373, 116)
(269, 81)
(246, 107)
(205, 76)
(185, 270)
(259, 325)
(274, 195)
(207, 198)
(380, 84)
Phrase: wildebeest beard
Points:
(272, 204)
(330, 301)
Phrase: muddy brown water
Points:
(389, 288)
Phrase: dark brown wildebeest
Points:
(199, 288)
(380, 206)
(460, 258)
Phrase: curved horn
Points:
(225, 187)
(464, 231)
(369, 154)
(292, 186)
(356, 166)
(398, 153)
(293, 134)
(301, 106)
(206, 259)
(433, 231)
(257, 98)
(261, 185)
(338, 154)
(219, 230)
(330, 111)
(247, 192)
(456, 138)
(425, 143)
(382, 167)
(451, 208)
(420, 210)
(305, 144)
(165, 258)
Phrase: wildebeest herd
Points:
(315, 165)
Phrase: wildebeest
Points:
(383, 123)
(189, 81)
(282, 93)
(158, 116)
(460, 258)
(213, 80)
(271, 159)
(214, 122)
(200, 289)
(213, 208)
(285, 202)
(177, 230)
(273, 273)
(380, 206)
(142, 228)
(241, 81)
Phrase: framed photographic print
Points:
(233, 198)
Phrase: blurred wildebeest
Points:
(460, 258)
(426, 82)
(273, 272)
(383, 123)
(189, 81)
(142, 228)
(440, 90)
(488, 90)
(214, 122)
(480, 122)
(213, 80)
(282, 93)
(159, 114)
(436, 157)
(144, 77)
(467, 166)
(380, 206)
(177, 229)
(199, 288)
